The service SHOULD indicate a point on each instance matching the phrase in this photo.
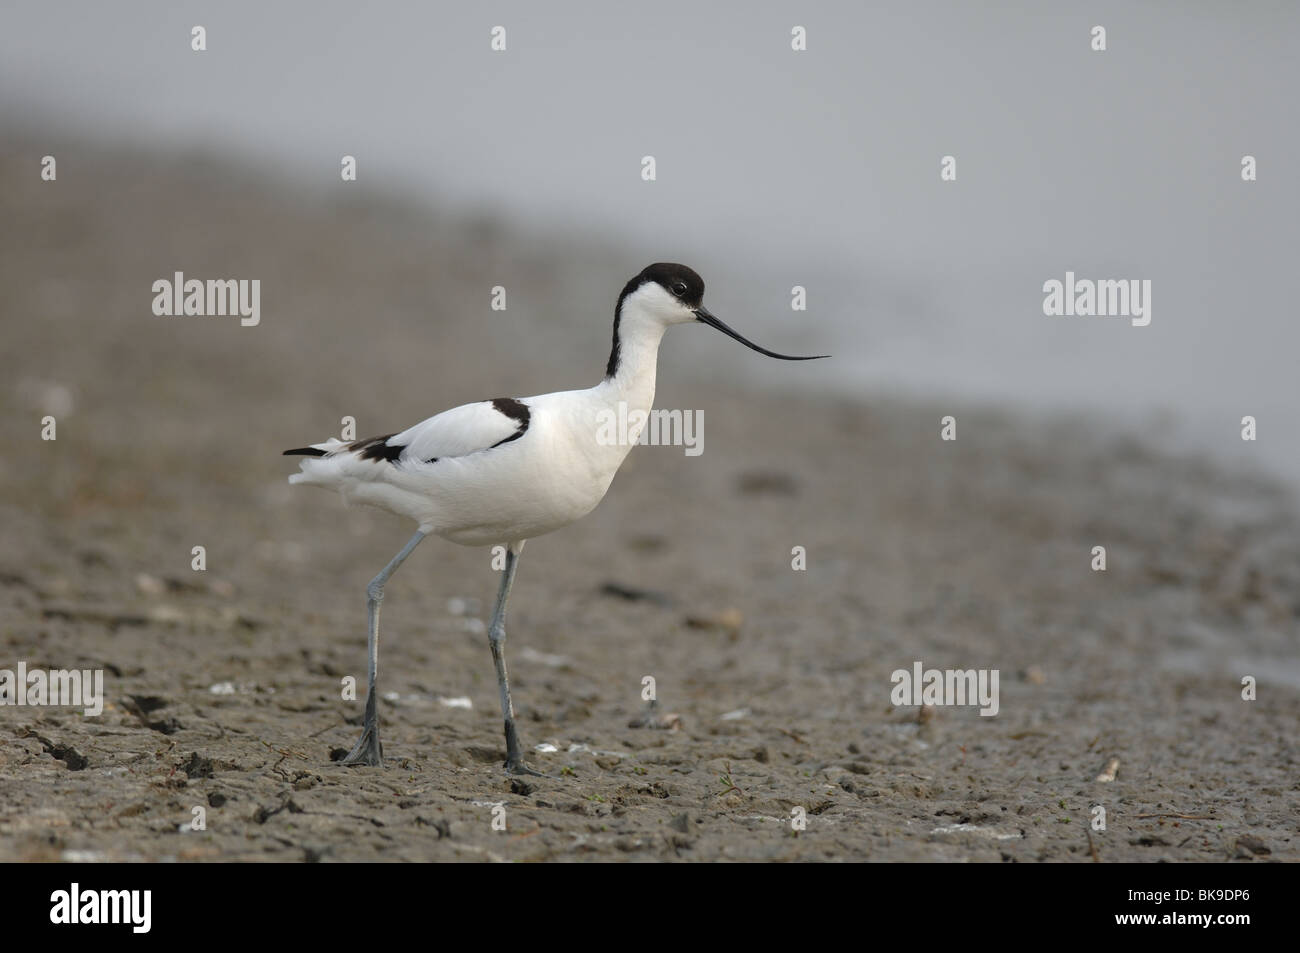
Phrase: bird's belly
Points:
(487, 505)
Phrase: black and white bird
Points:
(500, 472)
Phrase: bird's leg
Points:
(497, 638)
(368, 750)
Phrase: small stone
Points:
(1109, 772)
(669, 721)
(1248, 846)
(148, 585)
(728, 620)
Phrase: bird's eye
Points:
(679, 288)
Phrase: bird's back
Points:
(482, 473)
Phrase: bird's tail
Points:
(316, 449)
(320, 472)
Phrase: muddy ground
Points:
(223, 686)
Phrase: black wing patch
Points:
(516, 411)
(377, 448)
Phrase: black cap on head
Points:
(678, 280)
(675, 279)
(688, 287)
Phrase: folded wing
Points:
(453, 433)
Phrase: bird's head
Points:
(670, 294)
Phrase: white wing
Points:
(452, 433)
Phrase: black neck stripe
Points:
(670, 277)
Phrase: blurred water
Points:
(778, 168)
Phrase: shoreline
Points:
(222, 685)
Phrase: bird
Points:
(500, 472)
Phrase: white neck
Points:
(633, 380)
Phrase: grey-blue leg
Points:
(368, 750)
(497, 638)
